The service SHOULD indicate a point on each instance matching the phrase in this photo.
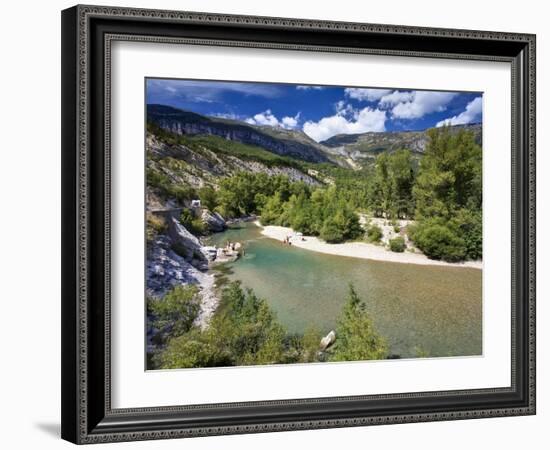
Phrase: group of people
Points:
(287, 239)
(232, 247)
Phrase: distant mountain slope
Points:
(177, 164)
(294, 144)
(368, 145)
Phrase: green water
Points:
(436, 310)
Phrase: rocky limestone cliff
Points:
(185, 122)
(197, 168)
(166, 269)
(177, 257)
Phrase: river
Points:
(435, 311)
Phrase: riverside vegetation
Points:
(245, 331)
(442, 194)
(439, 192)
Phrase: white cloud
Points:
(403, 104)
(269, 119)
(422, 103)
(305, 87)
(363, 94)
(264, 118)
(395, 98)
(470, 114)
(290, 122)
(346, 121)
(345, 109)
(231, 116)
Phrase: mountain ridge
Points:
(369, 144)
(181, 122)
(347, 150)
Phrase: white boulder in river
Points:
(327, 341)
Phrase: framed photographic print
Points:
(267, 222)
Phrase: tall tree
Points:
(448, 194)
(391, 189)
(356, 338)
(449, 176)
(402, 175)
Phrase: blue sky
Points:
(320, 111)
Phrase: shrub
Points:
(244, 331)
(397, 244)
(208, 197)
(396, 228)
(193, 349)
(331, 232)
(374, 233)
(181, 193)
(469, 225)
(154, 225)
(439, 242)
(310, 345)
(168, 188)
(198, 227)
(175, 313)
(193, 224)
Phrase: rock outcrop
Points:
(166, 269)
(185, 244)
(327, 341)
(213, 221)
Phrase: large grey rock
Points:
(183, 242)
(213, 220)
(166, 269)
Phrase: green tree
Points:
(243, 331)
(272, 210)
(391, 189)
(193, 224)
(402, 175)
(331, 231)
(469, 225)
(208, 197)
(236, 194)
(448, 194)
(449, 176)
(174, 314)
(382, 189)
(356, 338)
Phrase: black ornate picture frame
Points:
(87, 35)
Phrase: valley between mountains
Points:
(229, 201)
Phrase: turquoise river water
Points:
(418, 309)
